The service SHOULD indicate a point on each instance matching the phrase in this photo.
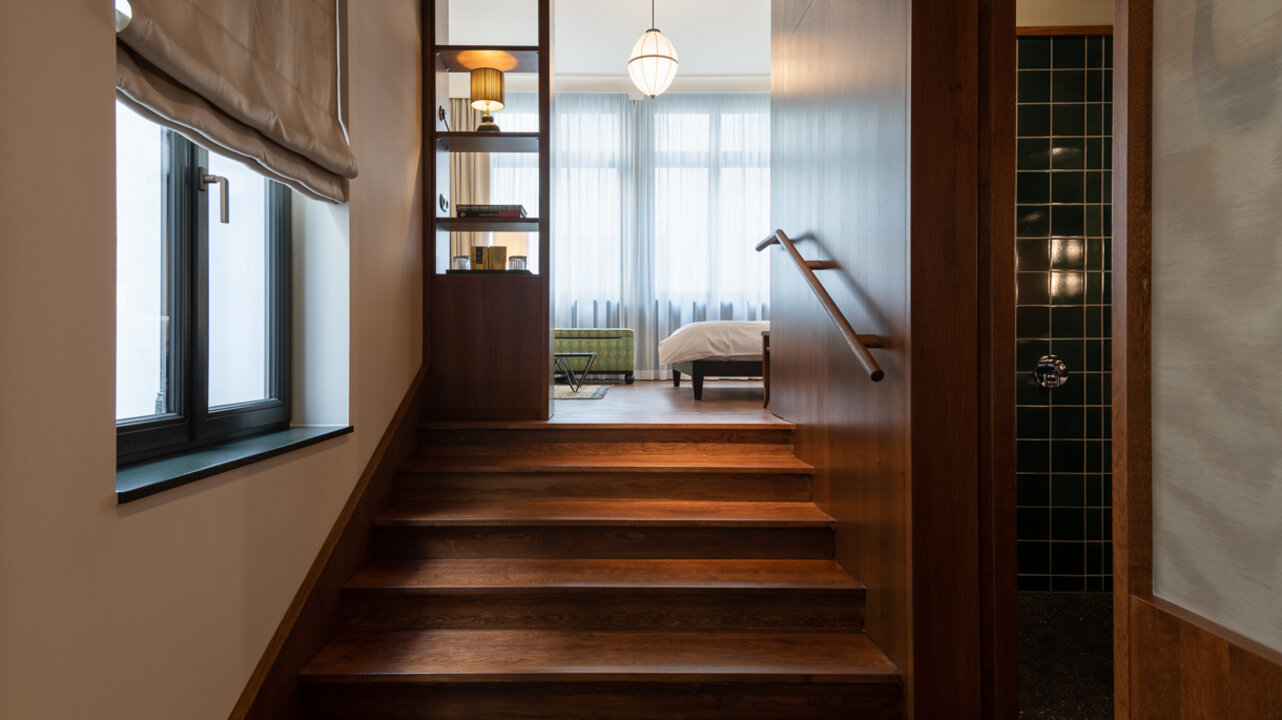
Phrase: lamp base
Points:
(487, 124)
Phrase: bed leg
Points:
(698, 385)
(676, 379)
(629, 379)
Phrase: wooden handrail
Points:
(859, 344)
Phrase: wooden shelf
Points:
(488, 224)
(512, 142)
(508, 58)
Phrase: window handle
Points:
(224, 194)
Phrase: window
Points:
(202, 307)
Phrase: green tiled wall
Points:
(1063, 285)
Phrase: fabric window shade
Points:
(251, 80)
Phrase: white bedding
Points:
(713, 340)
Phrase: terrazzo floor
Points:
(1065, 656)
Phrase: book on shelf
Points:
(491, 211)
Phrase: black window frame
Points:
(191, 424)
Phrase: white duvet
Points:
(713, 340)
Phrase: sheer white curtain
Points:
(657, 205)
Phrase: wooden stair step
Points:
(639, 594)
(603, 528)
(603, 511)
(741, 464)
(782, 486)
(595, 439)
(435, 656)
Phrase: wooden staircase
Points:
(607, 571)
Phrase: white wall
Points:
(1057, 13)
(1217, 312)
(161, 608)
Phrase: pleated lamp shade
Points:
(487, 89)
(653, 64)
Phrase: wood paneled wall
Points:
(883, 122)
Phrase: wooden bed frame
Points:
(699, 369)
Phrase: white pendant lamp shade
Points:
(653, 64)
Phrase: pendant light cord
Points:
(651, 13)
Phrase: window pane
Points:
(143, 333)
(238, 288)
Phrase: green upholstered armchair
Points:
(615, 348)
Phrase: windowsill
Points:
(152, 476)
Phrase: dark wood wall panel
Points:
(1186, 667)
(907, 206)
(839, 89)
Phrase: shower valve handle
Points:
(1050, 372)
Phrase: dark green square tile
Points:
(1068, 187)
(1094, 119)
(1068, 52)
(1095, 86)
(1027, 391)
(1068, 153)
(1033, 322)
(1067, 253)
(1033, 154)
(1094, 551)
(1093, 220)
(1034, 120)
(1094, 328)
(1028, 352)
(1094, 491)
(1095, 389)
(1106, 186)
(1068, 322)
(1032, 456)
(1032, 255)
(1108, 118)
(1032, 490)
(1034, 52)
(1067, 220)
(1068, 86)
(1065, 583)
(1094, 422)
(1095, 153)
(1034, 86)
(1032, 288)
(1033, 221)
(1068, 422)
(1033, 523)
(1094, 254)
(1094, 51)
(1068, 119)
(1068, 456)
(1033, 422)
(1070, 351)
(1067, 524)
(1073, 391)
(1067, 287)
(1033, 583)
(1092, 356)
(1094, 187)
(1094, 456)
(1033, 558)
(1033, 188)
(1094, 288)
(1068, 490)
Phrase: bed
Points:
(717, 348)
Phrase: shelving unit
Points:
(487, 334)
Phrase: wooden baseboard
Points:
(1185, 666)
(1065, 30)
(312, 618)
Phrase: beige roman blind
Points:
(256, 80)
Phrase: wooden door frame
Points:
(1131, 301)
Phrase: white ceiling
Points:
(723, 45)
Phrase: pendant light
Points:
(653, 64)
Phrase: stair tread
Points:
(624, 462)
(769, 424)
(602, 511)
(444, 575)
(427, 656)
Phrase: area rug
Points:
(587, 392)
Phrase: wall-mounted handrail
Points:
(859, 344)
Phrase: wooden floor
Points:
(658, 402)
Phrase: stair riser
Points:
(652, 486)
(575, 448)
(596, 609)
(617, 701)
(623, 541)
(775, 437)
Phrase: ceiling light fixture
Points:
(653, 64)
